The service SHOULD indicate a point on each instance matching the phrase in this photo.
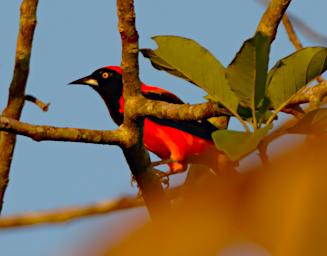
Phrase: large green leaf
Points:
(187, 59)
(247, 73)
(236, 144)
(290, 74)
(313, 122)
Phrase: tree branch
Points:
(313, 95)
(272, 17)
(72, 213)
(291, 33)
(68, 214)
(302, 26)
(180, 112)
(17, 88)
(51, 133)
(136, 156)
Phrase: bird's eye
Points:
(105, 75)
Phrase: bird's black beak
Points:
(88, 80)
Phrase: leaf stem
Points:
(273, 116)
(280, 108)
(254, 118)
(243, 123)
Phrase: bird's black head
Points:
(103, 77)
(108, 83)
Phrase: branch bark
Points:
(136, 155)
(72, 213)
(50, 133)
(43, 106)
(17, 88)
(272, 17)
(180, 112)
(69, 213)
(313, 95)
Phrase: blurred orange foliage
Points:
(279, 210)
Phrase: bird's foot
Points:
(133, 181)
(163, 176)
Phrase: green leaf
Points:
(247, 73)
(313, 122)
(236, 144)
(187, 59)
(160, 64)
(291, 73)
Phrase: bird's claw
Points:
(163, 176)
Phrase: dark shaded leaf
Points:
(247, 73)
(236, 144)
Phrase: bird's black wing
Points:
(201, 129)
(162, 96)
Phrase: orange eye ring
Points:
(105, 75)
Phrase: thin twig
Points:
(296, 111)
(72, 213)
(291, 32)
(308, 31)
(43, 106)
(68, 214)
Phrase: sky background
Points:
(72, 39)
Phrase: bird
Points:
(176, 143)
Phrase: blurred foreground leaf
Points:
(277, 210)
(313, 122)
